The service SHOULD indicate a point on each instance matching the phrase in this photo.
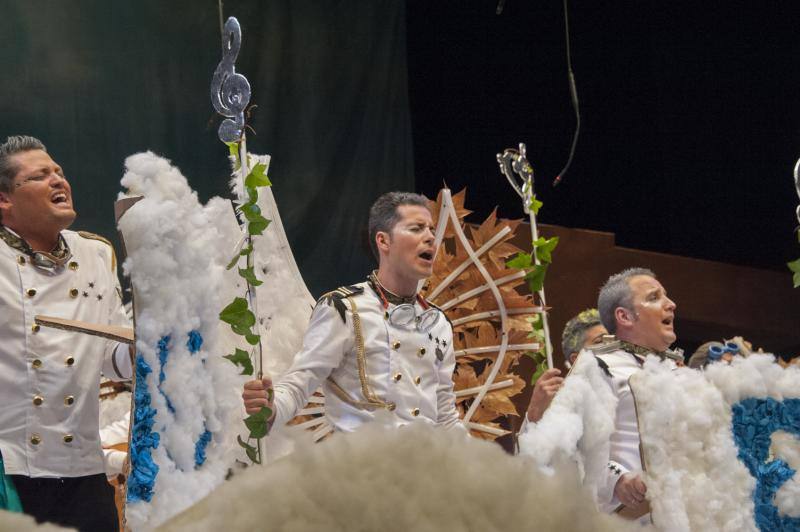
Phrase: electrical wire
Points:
(573, 92)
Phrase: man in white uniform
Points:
(633, 306)
(376, 345)
(49, 379)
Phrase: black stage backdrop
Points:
(691, 117)
(98, 81)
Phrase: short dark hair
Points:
(12, 146)
(574, 335)
(616, 292)
(383, 214)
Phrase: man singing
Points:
(377, 345)
(49, 379)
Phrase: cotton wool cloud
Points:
(177, 251)
(417, 477)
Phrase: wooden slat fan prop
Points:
(490, 308)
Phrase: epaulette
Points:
(92, 236)
(603, 366)
(609, 345)
(335, 298)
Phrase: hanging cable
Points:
(573, 92)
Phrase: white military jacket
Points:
(49, 379)
(365, 363)
(619, 361)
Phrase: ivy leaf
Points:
(544, 248)
(257, 226)
(233, 149)
(252, 339)
(233, 262)
(795, 267)
(238, 315)
(537, 356)
(241, 330)
(250, 276)
(521, 262)
(246, 250)
(257, 177)
(535, 277)
(535, 205)
(257, 423)
(538, 373)
(251, 211)
(252, 452)
(241, 358)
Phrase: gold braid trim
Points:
(339, 392)
(372, 401)
(92, 236)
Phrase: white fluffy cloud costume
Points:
(695, 478)
(414, 478)
(177, 251)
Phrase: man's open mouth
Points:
(60, 197)
(427, 255)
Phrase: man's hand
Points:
(258, 394)
(543, 392)
(630, 490)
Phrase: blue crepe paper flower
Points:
(754, 422)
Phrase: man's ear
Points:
(382, 240)
(5, 201)
(624, 317)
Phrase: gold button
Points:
(38, 399)
(396, 345)
(35, 327)
(421, 352)
(68, 400)
(69, 361)
(31, 292)
(415, 412)
(390, 407)
(68, 438)
(73, 293)
(36, 439)
(417, 380)
(36, 363)
(73, 265)
(397, 376)
(21, 259)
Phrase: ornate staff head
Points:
(230, 92)
(512, 162)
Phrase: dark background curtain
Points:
(97, 81)
(690, 112)
(690, 117)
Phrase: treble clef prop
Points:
(797, 186)
(512, 162)
(230, 92)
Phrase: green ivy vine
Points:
(536, 270)
(239, 314)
